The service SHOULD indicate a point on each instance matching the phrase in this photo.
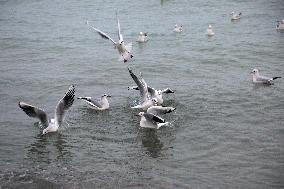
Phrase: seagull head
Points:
(232, 13)
(120, 42)
(209, 26)
(255, 72)
(141, 33)
(140, 114)
(106, 95)
(155, 101)
(45, 131)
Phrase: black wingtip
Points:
(275, 78)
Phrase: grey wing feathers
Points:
(159, 110)
(264, 79)
(33, 111)
(64, 104)
(167, 90)
(141, 85)
(151, 91)
(91, 102)
(153, 118)
(102, 34)
(118, 27)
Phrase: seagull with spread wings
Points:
(60, 110)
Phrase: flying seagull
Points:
(60, 110)
(123, 50)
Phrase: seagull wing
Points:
(159, 110)
(264, 79)
(142, 86)
(64, 104)
(167, 90)
(33, 111)
(101, 33)
(151, 91)
(118, 27)
(153, 118)
(91, 102)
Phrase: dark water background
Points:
(225, 133)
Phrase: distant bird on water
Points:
(143, 37)
(258, 79)
(210, 31)
(177, 28)
(235, 16)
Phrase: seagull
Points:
(146, 100)
(280, 25)
(151, 118)
(256, 78)
(177, 28)
(157, 94)
(235, 16)
(62, 106)
(97, 105)
(123, 50)
(210, 31)
(143, 37)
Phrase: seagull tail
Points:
(275, 78)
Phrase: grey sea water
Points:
(225, 132)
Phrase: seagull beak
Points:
(108, 96)
(137, 115)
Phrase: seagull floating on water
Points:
(280, 25)
(157, 94)
(177, 28)
(143, 37)
(151, 118)
(103, 104)
(235, 16)
(258, 79)
(146, 100)
(123, 50)
(210, 31)
(63, 105)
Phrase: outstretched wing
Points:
(91, 102)
(167, 90)
(118, 27)
(142, 86)
(101, 33)
(151, 91)
(153, 118)
(64, 104)
(159, 110)
(33, 111)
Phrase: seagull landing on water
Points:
(146, 100)
(235, 16)
(103, 104)
(123, 50)
(157, 94)
(152, 119)
(210, 31)
(63, 105)
(142, 38)
(177, 28)
(258, 79)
